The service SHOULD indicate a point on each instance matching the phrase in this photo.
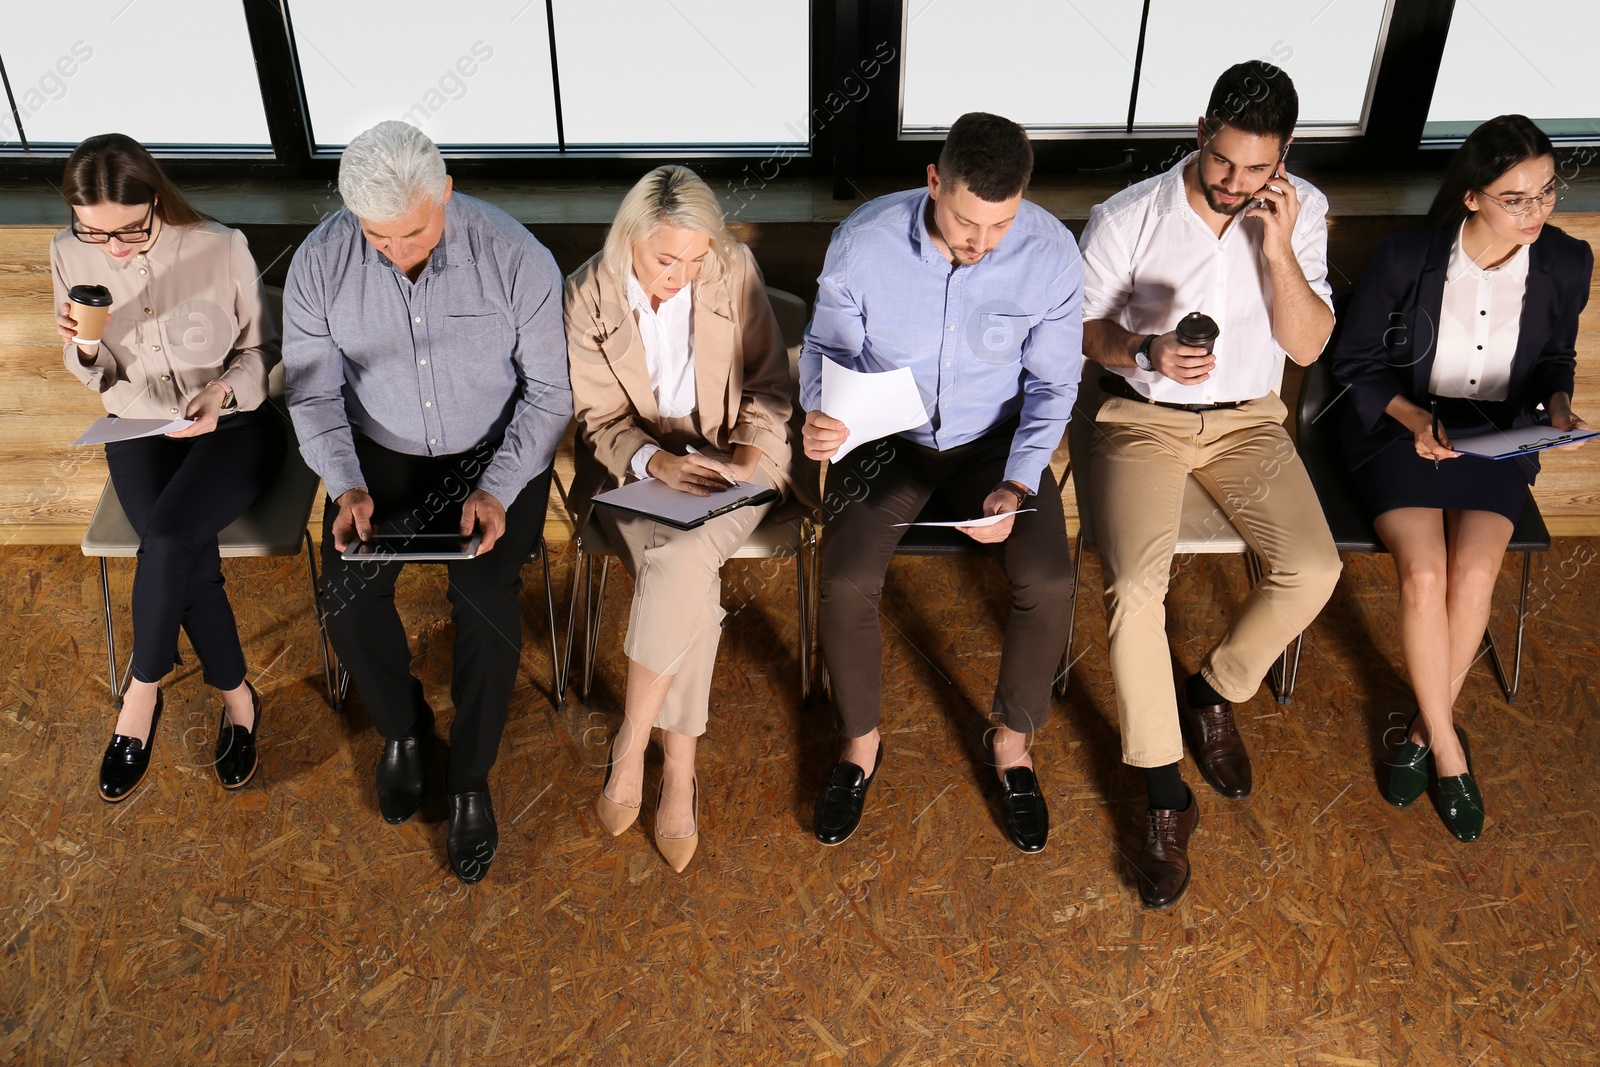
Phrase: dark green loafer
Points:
(1460, 802)
(1410, 769)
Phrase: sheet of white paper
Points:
(1503, 444)
(106, 430)
(987, 520)
(872, 405)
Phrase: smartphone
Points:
(1277, 173)
(424, 548)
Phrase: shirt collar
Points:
(639, 300)
(454, 247)
(919, 230)
(1171, 195)
(1462, 266)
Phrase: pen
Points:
(695, 451)
(1434, 405)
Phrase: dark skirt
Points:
(1396, 477)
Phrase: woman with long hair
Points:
(1466, 325)
(189, 338)
(679, 374)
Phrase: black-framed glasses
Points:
(136, 235)
(1517, 206)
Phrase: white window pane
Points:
(1542, 62)
(160, 71)
(684, 71)
(479, 76)
(1041, 63)
(1327, 47)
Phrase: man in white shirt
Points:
(1230, 234)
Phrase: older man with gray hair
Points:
(427, 379)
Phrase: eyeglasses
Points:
(1518, 206)
(138, 235)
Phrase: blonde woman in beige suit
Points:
(678, 373)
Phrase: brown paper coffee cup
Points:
(91, 306)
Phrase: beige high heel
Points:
(613, 816)
(678, 851)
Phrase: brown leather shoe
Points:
(1162, 866)
(1218, 749)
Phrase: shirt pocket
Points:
(995, 335)
(479, 338)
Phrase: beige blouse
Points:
(187, 310)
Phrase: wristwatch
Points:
(1021, 491)
(229, 401)
(1141, 358)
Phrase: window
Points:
(102, 66)
(1506, 60)
(1068, 68)
(690, 72)
(1329, 48)
(479, 77)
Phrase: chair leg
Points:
(564, 676)
(803, 613)
(558, 684)
(1063, 676)
(334, 675)
(592, 619)
(1510, 684)
(111, 635)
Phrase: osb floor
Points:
(288, 924)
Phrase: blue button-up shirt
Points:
(474, 350)
(1000, 338)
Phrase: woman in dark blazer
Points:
(1466, 325)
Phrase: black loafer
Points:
(400, 779)
(473, 835)
(125, 761)
(841, 800)
(1023, 810)
(235, 753)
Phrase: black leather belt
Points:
(1117, 385)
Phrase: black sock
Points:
(1200, 693)
(1165, 787)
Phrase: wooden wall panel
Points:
(49, 488)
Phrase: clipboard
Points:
(1522, 441)
(654, 499)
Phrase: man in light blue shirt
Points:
(980, 294)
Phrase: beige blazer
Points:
(743, 393)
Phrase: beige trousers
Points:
(675, 622)
(1141, 457)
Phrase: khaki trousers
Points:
(1139, 462)
(675, 621)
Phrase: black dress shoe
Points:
(122, 767)
(1219, 751)
(235, 753)
(473, 835)
(842, 797)
(1022, 807)
(1410, 767)
(1460, 801)
(400, 779)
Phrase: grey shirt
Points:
(472, 351)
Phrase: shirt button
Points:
(1219, 285)
(422, 363)
(174, 411)
(427, 403)
(157, 348)
(417, 319)
(1480, 348)
(1472, 381)
(950, 327)
(433, 440)
(147, 311)
(143, 271)
(166, 377)
(948, 364)
(1483, 313)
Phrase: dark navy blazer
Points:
(1387, 340)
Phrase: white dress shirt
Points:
(1479, 322)
(668, 335)
(1150, 259)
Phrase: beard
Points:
(1221, 208)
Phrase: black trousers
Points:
(890, 481)
(179, 494)
(423, 494)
